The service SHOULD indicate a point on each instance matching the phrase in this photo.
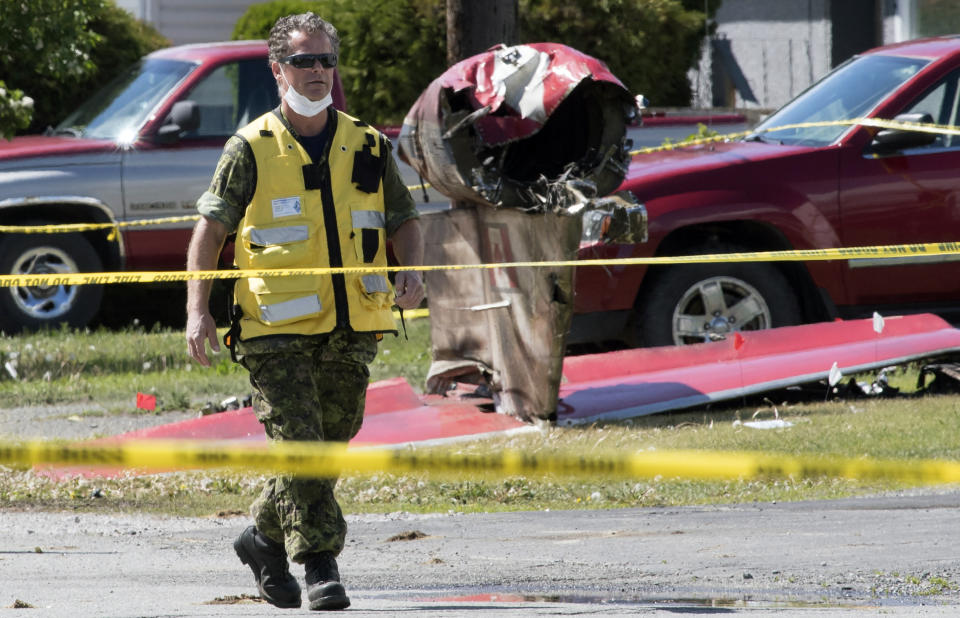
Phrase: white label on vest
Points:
(285, 207)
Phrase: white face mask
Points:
(301, 104)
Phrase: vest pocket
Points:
(276, 246)
(374, 291)
(290, 310)
(284, 300)
(369, 229)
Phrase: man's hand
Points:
(410, 292)
(408, 247)
(205, 244)
(201, 328)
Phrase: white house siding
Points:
(779, 46)
(190, 21)
(198, 21)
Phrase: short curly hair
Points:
(308, 23)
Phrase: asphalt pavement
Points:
(893, 555)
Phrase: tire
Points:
(37, 307)
(741, 296)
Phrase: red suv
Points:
(795, 188)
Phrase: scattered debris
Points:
(234, 599)
(410, 535)
(945, 378)
(230, 403)
(775, 423)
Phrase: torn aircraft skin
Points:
(516, 127)
(527, 142)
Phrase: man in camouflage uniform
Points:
(309, 373)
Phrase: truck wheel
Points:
(695, 303)
(32, 307)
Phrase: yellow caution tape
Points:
(899, 252)
(87, 227)
(412, 314)
(315, 459)
(879, 123)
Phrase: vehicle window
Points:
(850, 91)
(119, 109)
(942, 103)
(231, 96)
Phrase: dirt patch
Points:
(235, 599)
(410, 535)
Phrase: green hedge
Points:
(122, 41)
(649, 44)
(392, 49)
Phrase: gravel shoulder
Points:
(894, 555)
(78, 421)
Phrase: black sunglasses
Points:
(307, 61)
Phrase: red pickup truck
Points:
(811, 186)
(144, 147)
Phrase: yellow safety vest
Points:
(306, 215)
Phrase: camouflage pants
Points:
(307, 389)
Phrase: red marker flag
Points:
(146, 402)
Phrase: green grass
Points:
(102, 365)
(109, 367)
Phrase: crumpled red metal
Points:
(458, 132)
(522, 85)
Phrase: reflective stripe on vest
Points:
(368, 219)
(291, 309)
(375, 283)
(279, 235)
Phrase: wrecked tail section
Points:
(528, 142)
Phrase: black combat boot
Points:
(323, 583)
(268, 561)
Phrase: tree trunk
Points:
(474, 26)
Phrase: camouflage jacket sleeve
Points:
(233, 184)
(398, 202)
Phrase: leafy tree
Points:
(648, 44)
(54, 53)
(15, 110)
(41, 41)
(391, 49)
(937, 17)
